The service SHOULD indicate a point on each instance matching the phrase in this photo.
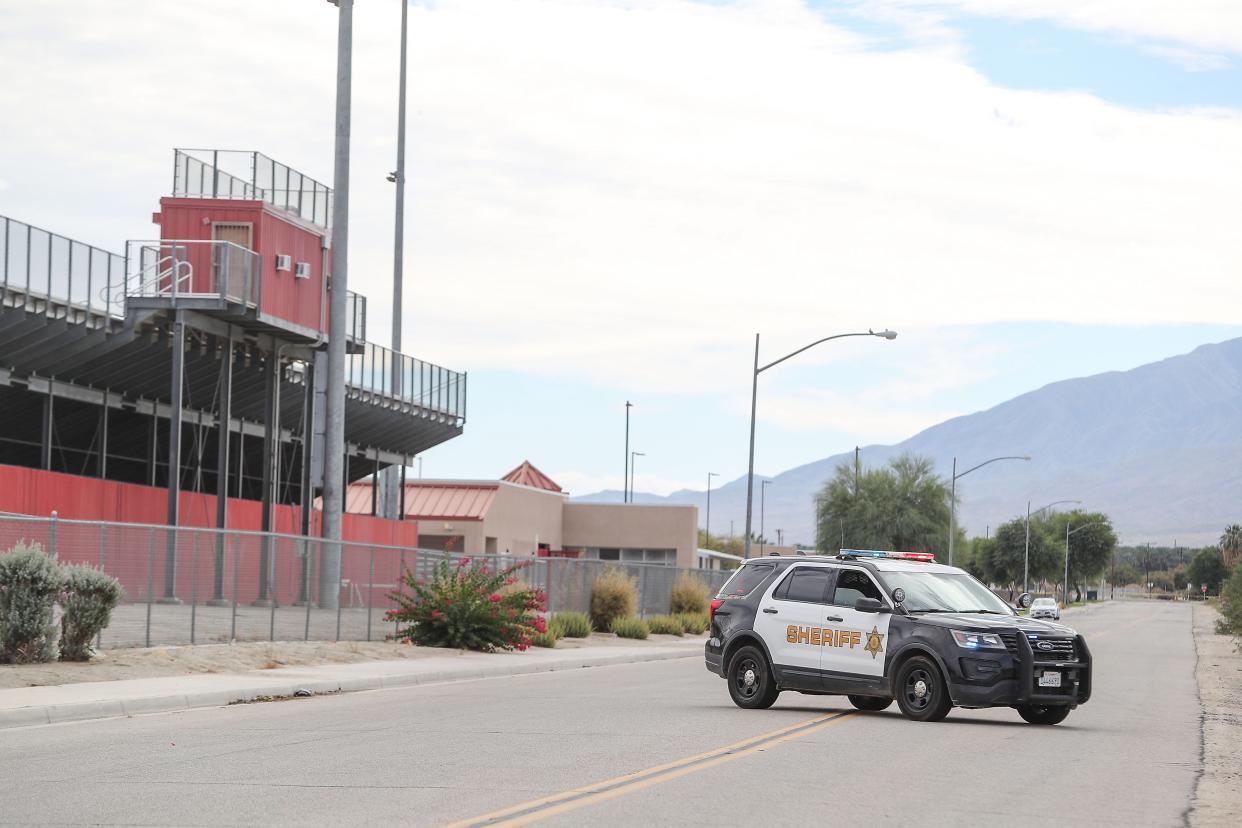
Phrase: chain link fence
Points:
(208, 586)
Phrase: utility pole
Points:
(857, 469)
(393, 473)
(334, 417)
(625, 487)
(708, 526)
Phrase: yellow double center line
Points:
(537, 809)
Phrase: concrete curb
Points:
(34, 715)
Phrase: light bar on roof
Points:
(865, 553)
(924, 557)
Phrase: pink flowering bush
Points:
(469, 605)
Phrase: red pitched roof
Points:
(430, 501)
(527, 475)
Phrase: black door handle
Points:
(835, 618)
(771, 610)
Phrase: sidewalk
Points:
(1218, 793)
(25, 706)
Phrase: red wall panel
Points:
(36, 492)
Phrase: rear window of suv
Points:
(745, 580)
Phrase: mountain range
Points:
(1158, 448)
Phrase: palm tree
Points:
(1231, 544)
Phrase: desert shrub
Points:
(689, 595)
(29, 584)
(469, 606)
(89, 598)
(613, 595)
(694, 623)
(629, 627)
(1231, 604)
(665, 625)
(572, 624)
(544, 639)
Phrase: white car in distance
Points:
(1045, 608)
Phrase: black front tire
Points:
(922, 694)
(1044, 715)
(751, 684)
(869, 702)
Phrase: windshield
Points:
(945, 592)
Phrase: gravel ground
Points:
(150, 662)
(1218, 794)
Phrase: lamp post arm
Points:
(808, 347)
(993, 460)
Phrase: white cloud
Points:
(625, 191)
(1202, 25)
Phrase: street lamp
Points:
(625, 487)
(1065, 593)
(633, 454)
(1026, 558)
(708, 530)
(763, 488)
(953, 495)
(754, 394)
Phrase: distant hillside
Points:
(1159, 448)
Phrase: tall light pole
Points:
(1026, 558)
(1065, 593)
(633, 454)
(397, 177)
(334, 415)
(953, 495)
(708, 530)
(763, 488)
(754, 394)
(625, 487)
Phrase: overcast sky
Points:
(608, 198)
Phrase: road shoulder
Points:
(1218, 671)
(26, 706)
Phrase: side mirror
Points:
(1024, 600)
(870, 605)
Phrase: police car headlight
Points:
(978, 641)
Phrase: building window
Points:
(607, 554)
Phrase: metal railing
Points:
(195, 586)
(376, 370)
(194, 268)
(356, 308)
(43, 265)
(245, 174)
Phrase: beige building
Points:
(526, 512)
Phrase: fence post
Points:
(194, 590)
(370, 591)
(236, 561)
(150, 578)
(547, 584)
(306, 585)
(273, 549)
(642, 595)
(103, 560)
(340, 569)
(51, 536)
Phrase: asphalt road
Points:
(436, 754)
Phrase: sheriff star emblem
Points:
(875, 640)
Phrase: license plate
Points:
(1050, 680)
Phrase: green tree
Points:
(903, 507)
(1231, 544)
(1208, 567)
(1006, 555)
(1091, 544)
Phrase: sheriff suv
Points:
(883, 626)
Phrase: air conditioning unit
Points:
(284, 262)
(302, 271)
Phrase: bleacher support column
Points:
(224, 416)
(271, 473)
(174, 458)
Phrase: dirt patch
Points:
(152, 662)
(1218, 794)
